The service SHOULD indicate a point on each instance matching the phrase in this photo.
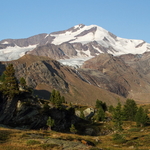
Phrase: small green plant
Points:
(50, 122)
(32, 142)
(73, 129)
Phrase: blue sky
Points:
(124, 18)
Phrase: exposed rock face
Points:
(126, 75)
(139, 62)
(68, 49)
(89, 112)
(33, 40)
(49, 50)
(26, 111)
(107, 72)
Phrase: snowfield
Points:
(81, 34)
(13, 53)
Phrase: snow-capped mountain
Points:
(78, 43)
(102, 38)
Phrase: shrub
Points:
(50, 122)
(73, 129)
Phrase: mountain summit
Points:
(80, 41)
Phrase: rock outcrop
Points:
(25, 111)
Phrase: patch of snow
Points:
(126, 46)
(76, 26)
(5, 42)
(13, 53)
(74, 61)
(68, 32)
(60, 38)
(97, 49)
(46, 36)
(88, 53)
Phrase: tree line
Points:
(129, 112)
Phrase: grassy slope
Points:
(134, 138)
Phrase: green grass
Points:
(130, 137)
(32, 142)
(134, 130)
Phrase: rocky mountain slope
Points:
(126, 75)
(44, 74)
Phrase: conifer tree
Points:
(52, 97)
(73, 129)
(111, 109)
(50, 123)
(100, 115)
(2, 77)
(22, 82)
(100, 104)
(10, 85)
(56, 98)
(117, 117)
(129, 110)
(141, 117)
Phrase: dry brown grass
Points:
(134, 138)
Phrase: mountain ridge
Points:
(44, 74)
(86, 42)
